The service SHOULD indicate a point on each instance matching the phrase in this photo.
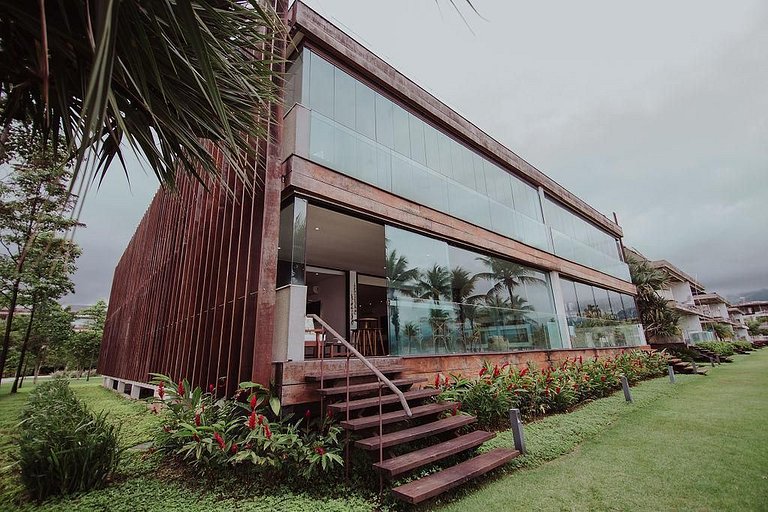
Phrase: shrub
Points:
(63, 447)
(544, 391)
(721, 348)
(248, 428)
(742, 345)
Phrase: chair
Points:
(313, 338)
(440, 334)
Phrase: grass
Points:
(697, 445)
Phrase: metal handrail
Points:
(340, 339)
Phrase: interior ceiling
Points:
(338, 241)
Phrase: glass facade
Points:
(361, 133)
(600, 318)
(578, 240)
(444, 299)
(291, 245)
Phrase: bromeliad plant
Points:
(537, 392)
(246, 429)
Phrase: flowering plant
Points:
(540, 391)
(247, 428)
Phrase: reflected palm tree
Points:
(462, 288)
(506, 310)
(398, 278)
(433, 284)
(506, 274)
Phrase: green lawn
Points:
(701, 444)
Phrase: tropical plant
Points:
(721, 348)
(656, 314)
(206, 431)
(166, 77)
(540, 391)
(63, 447)
(722, 331)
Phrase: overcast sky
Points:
(656, 110)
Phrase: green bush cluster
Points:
(245, 429)
(721, 348)
(742, 345)
(537, 392)
(63, 447)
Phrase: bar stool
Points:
(368, 336)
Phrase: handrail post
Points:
(381, 440)
(346, 442)
(321, 348)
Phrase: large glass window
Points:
(425, 165)
(444, 299)
(600, 318)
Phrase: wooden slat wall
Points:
(193, 295)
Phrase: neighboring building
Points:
(681, 290)
(716, 310)
(739, 323)
(754, 310)
(384, 212)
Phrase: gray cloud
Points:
(655, 110)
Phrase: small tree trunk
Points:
(24, 373)
(20, 367)
(8, 322)
(37, 368)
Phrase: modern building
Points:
(754, 310)
(718, 311)
(401, 224)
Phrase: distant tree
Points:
(722, 331)
(84, 345)
(507, 275)
(51, 334)
(35, 217)
(433, 284)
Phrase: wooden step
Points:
(437, 483)
(370, 386)
(418, 432)
(395, 416)
(365, 403)
(365, 372)
(410, 461)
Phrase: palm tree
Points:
(462, 289)
(433, 284)
(167, 78)
(507, 275)
(398, 277)
(659, 319)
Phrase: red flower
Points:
(180, 389)
(260, 419)
(267, 432)
(197, 420)
(602, 378)
(329, 413)
(320, 450)
(307, 415)
(252, 420)
(211, 388)
(557, 390)
(496, 371)
(505, 365)
(437, 380)
(219, 440)
(196, 437)
(253, 402)
(234, 448)
(482, 371)
(580, 360)
(524, 372)
(161, 390)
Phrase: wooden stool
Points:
(368, 336)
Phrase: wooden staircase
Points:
(374, 415)
(681, 366)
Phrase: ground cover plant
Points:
(540, 391)
(63, 447)
(247, 429)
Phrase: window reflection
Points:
(445, 299)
